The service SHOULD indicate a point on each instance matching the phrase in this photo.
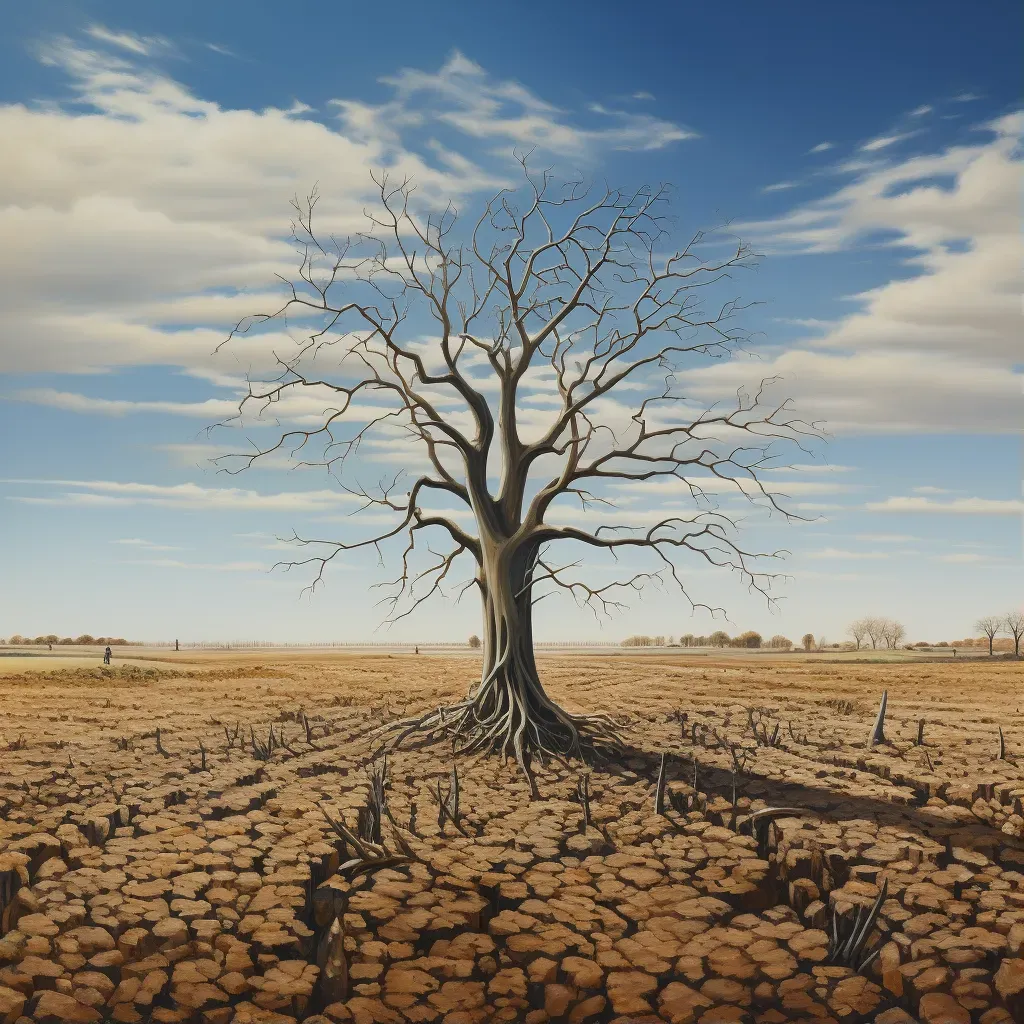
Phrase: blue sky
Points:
(870, 151)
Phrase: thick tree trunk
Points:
(510, 698)
(508, 711)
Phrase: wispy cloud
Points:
(840, 554)
(98, 493)
(886, 538)
(173, 563)
(814, 467)
(780, 186)
(148, 545)
(885, 141)
(822, 147)
(966, 97)
(920, 111)
(965, 558)
(142, 46)
(958, 506)
(211, 408)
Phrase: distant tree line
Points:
(749, 639)
(66, 641)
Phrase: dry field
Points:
(162, 859)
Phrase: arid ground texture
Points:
(206, 840)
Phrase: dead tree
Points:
(557, 292)
(991, 626)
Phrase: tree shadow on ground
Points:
(821, 800)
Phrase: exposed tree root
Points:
(512, 717)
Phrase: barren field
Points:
(206, 841)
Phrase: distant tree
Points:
(893, 633)
(65, 641)
(859, 631)
(780, 642)
(702, 641)
(688, 640)
(1013, 623)
(991, 626)
(659, 641)
(85, 638)
(474, 642)
(875, 629)
(719, 638)
(808, 641)
(748, 639)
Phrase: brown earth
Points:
(157, 865)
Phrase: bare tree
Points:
(893, 633)
(1013, 623)
(875, 629)
(555, 284)
(991, 626)
(859, 630)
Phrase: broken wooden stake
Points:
(659, 793)
(878, 733)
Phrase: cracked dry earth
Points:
(139, 885)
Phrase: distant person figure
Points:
(954, 652)
(417, 650)
(49, 647)
(106, 656)
(176, 645)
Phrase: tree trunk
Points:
(508, 712)
(509, 702)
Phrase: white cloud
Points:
(966, 97)
(813, 467)
(138, 219)
(965, 558)
(921, 111)
(877, 391)
(780, 186)
(715, 485)
(173, 563)
(959, 506)
(928, 489)
(148, 545)
(144, 46)
(211, 409)
(463, 95)
(886, 538)
(885, 141)
(840, 554)
(98, 493)
(935, 348)
(822, 147)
